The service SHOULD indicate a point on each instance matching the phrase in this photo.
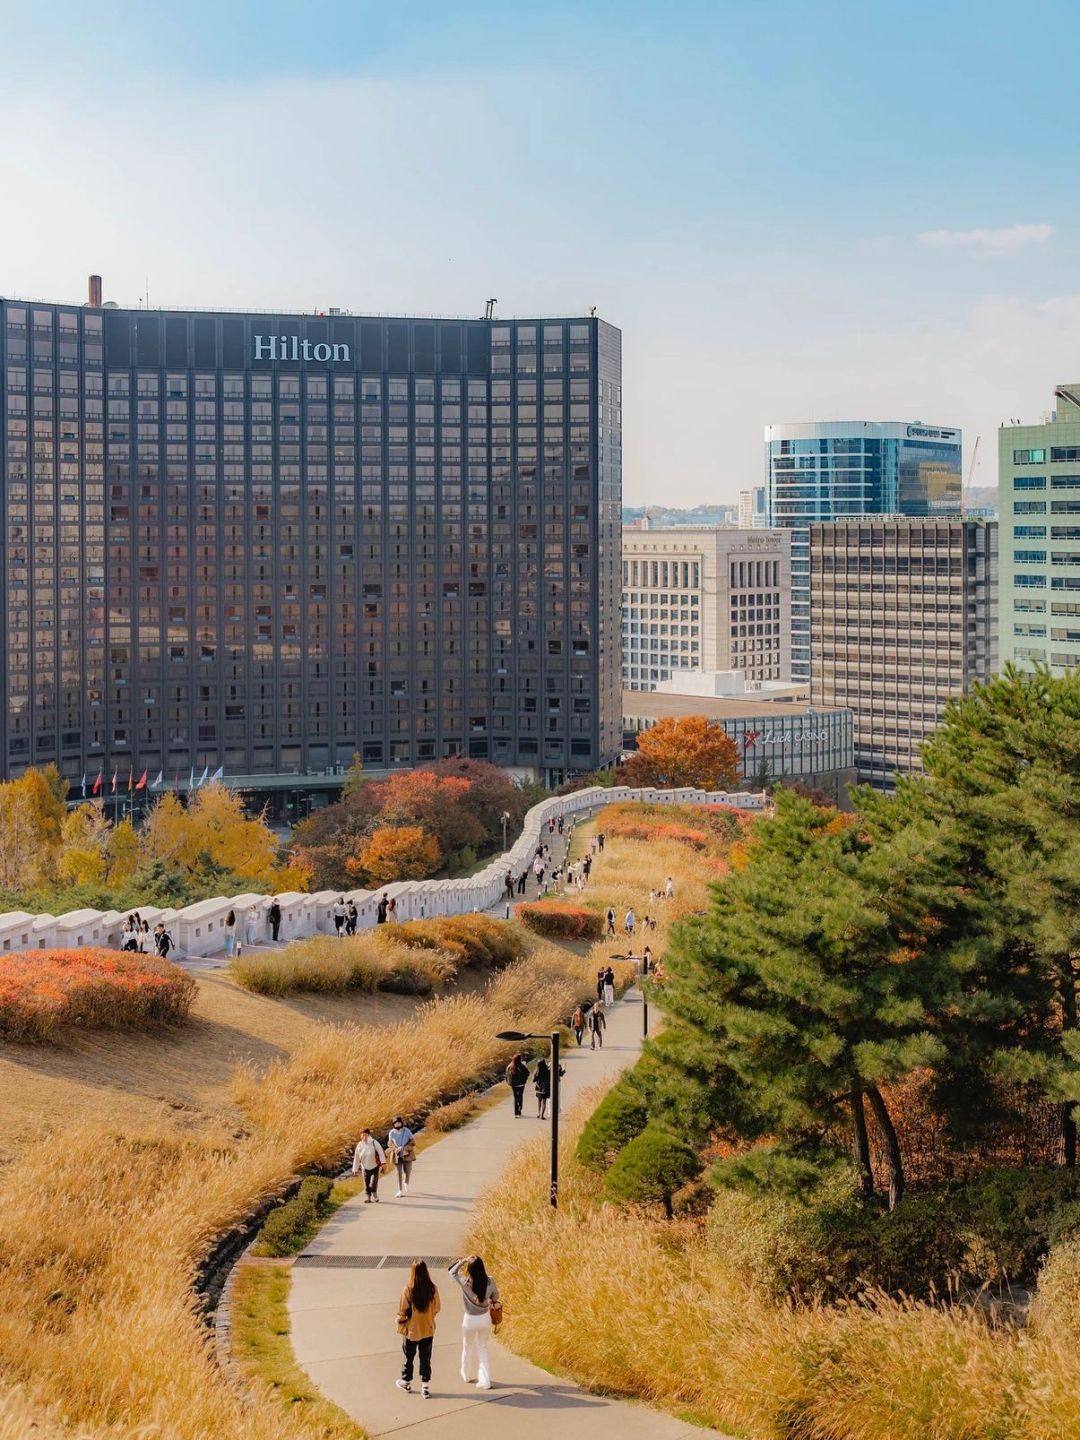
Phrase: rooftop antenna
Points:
(489, 310)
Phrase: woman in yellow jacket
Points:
(417, 1308)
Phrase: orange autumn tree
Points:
(683, 751)
(395, 852)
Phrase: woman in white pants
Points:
(479, 1293)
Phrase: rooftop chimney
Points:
(94, 298)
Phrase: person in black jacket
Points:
(597, 1026)
(274, 916)
(517, 1075)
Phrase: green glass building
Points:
(1039, 508)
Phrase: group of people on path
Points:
(517, 1077)
(346, 916)
(420, 1304)
(137, 937)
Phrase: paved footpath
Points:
(345, 1287)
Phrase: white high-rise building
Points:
(753, 508)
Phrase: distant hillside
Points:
(662, 516)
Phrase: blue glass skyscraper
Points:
(816, 472)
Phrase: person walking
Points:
(339, 914)
(609, 986)
(368, 1159)
(401, 1143)
(230, 934)
(597, 1026)
(417, 1308)
(391, 910)
(542, 1084)
(629, 922)
(250, 925)
(600, 841)
(646, 960)
(381, 909)
(482, 1310)
(352, 917)
(601, 976)
(669, 888)
(517, 1077)
(586, 865)
(146, 940)
(508, 884)
(274, 916)
(163, 941)
(577, 1024)
(611, 922)
(522, 878)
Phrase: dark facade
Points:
(267, 542)
(903, 618)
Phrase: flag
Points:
(191, 779)
(97, 784)
(84, 785)
(204, 776)
(131, 779)
(176, 782)
(142, 782)
(157, 783)
(219, 773)
(115, 777)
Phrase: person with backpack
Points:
(368, 1159)
(517, 1077)
(274, 917)
(401, 1142)
(483, 1309)
(597, 1026)
(417, 1308)
(577, 1024)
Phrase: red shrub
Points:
(556, 920)
(43, 989)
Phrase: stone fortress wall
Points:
(198, 929)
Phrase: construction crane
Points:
(970, 476)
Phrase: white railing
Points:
(199, 929)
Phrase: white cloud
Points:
(995, 242)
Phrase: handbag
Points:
(496, 1312)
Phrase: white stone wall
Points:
(199, 929)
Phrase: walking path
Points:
(345, 1288)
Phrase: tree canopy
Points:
(678, 751)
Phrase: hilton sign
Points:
(291, 347)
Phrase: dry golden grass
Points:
(100, 1232)
(625, 1302)
(333, 965)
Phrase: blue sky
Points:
(794, 211)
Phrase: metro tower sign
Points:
(291, 347)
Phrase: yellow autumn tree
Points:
(395, 852)
(213, 826)
(32, 813)
(124, 851)
(84, 840)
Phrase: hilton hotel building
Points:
(271, 541)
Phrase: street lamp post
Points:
(505, 823)
(554, 1038)
(644, 1000)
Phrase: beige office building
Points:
(705, 598)
(903, 617)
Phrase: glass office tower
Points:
(818, 472)
(270, 541)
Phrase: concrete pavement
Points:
(345, 1286)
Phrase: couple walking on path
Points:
(418, 1307)
(370, 1157)
(517, 1076)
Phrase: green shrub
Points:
(289, 1228)
(619, 1117)
(556, 920)
(651, 1167)
(983, 1229)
